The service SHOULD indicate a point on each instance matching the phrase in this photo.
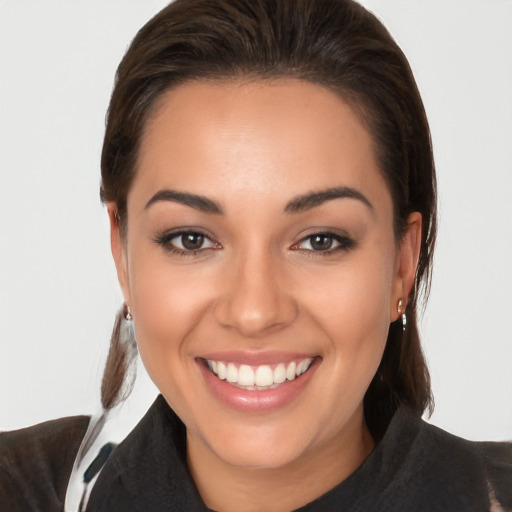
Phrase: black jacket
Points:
(416, 467)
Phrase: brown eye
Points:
(325, 243)
(321, 242)
(192, 241)
(186, 242)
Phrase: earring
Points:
(127, 349)
(126, 331)
(401, 311)
(127, 314)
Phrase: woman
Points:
(268, 175)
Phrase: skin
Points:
(259, 287)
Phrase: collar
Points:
(410, 466)
(148, 470)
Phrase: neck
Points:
(228, 488)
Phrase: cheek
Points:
(357, 327)
(352, 306)
(168, 302)
(355, 297)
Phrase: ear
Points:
(406, 263)
(118, 250)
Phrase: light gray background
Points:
(58, 291)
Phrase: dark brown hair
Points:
(335, 43)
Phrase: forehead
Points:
(270, 138)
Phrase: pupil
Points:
(321, 242)
(192, 241)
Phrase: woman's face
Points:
(260, 245)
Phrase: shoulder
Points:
(35, 463)
(479, 470)
(496, 461)
(418, 466)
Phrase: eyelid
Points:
(344, 242)
(178, 236)
(165, 239)
(341, 241)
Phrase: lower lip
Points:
(257, 401)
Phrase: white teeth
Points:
(260, 377)
(290, 371)
(280, 374)
(221, 370)
(232, 373)
(301, 368)
(264, 376)
(246, 376)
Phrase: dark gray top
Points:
(416, 467)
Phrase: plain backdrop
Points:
(58, 290)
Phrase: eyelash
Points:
(166, 241)
(344, 243)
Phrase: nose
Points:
(256, 296)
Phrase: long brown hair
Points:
(335, 43)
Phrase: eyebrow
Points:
(201, 203)
(313, 199)
(297, 205)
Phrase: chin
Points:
(259, 447)
(257, 456)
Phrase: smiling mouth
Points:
(258, 378)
